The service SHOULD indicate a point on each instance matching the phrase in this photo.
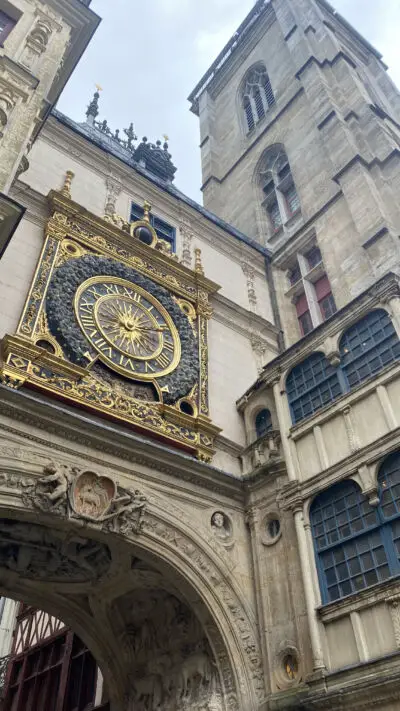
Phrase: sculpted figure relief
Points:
(221, 526)
(67, 491)
(172, 664)
(35, 551)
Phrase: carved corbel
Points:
(249, 272)
(368, 484)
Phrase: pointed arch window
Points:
(257, 96)
(357, 545)
(281, 200)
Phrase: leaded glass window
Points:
(311, 385)
(368, 346)
(357, 545)
(163, 229)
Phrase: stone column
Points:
(284, 426)
(307, 575)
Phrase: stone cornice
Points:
(71, 426)
(387, 286)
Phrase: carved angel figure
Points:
(58, 479)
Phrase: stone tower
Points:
(299, 126)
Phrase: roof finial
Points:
(131, 136)
(93, 108)
(146, 211)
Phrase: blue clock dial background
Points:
(64, 325)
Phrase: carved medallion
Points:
(91, 495)
(70, 493)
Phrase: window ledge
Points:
(388, 591)
(333, 408)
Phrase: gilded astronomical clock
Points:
(113, 322)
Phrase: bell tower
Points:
(300, 143)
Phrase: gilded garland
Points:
(118, 326)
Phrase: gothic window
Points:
(311, 385)
(313, 300)
(263, 423)
(357, 545)
(257, 96)
(163, 229)
(6, 25)
(368, 346)
(281, 200)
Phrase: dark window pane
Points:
(368, 346)
(263, 423)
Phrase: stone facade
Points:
(195, 584)
(36, 60)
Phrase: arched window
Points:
(280, 196)
(365, 348)
(263, 423)
(311, 385)
(368, 346)
(357, 545)
(257, 96)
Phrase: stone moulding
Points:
(72, 232)
(65, 493)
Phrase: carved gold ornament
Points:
(128, 327)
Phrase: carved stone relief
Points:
(187, 235)
(172, 666)
(37, 552)
(113, 190)
(221, 526)
(68, 492)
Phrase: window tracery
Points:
(281, 200)
(257, 96)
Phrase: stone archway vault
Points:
(87, 548)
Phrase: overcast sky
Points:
(148, 56)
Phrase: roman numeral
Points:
(111, 288)
(137, 297)
(94, 292)
(168, 346)
(87, 321)
(126, 362)
(86, 306)
(163, 360)
(102, 345)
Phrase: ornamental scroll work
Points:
(86, 495)
(117, 327)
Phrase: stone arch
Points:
(167, 542)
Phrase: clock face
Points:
(128, 327)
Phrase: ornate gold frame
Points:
(72, 231)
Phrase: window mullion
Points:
(391, 555)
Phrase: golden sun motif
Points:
(129, 328)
